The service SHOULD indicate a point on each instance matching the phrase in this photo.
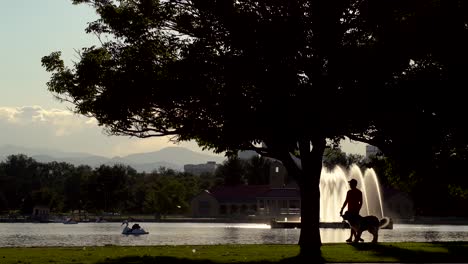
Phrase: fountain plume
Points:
(334, 186)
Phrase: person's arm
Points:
(344, 204)
(360, 200)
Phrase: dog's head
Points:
(346, 216)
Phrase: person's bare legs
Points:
(353, 234)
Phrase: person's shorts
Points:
(353, 214)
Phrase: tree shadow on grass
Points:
(152, 260)
(456, 252)
(174, 260)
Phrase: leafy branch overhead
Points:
(236, 71)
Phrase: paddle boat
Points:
(136, 229)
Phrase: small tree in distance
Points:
(231, 172)
(288, 74)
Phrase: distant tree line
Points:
(64, 187)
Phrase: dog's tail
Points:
(384, 222)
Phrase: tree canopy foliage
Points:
(286, 73)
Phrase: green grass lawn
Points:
(336, 252)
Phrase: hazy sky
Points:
(29, 115)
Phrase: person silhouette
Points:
(354, 202)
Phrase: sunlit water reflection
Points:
(99, 234)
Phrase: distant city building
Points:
(372, 151)
(198, 169)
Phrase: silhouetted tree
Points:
(232, 171)
(257, 171)
(56, 178)
(113, 185)
(334, 157)
(166, 194)
(22, 178)
(288, 74)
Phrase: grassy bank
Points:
(340, 252)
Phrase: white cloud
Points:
(34, 126)
(60, 122)
(8, 114)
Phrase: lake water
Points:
(100, 234)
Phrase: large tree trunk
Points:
(311, 163)
(307, 175)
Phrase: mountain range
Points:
(171, 157)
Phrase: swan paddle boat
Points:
(136, 229)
